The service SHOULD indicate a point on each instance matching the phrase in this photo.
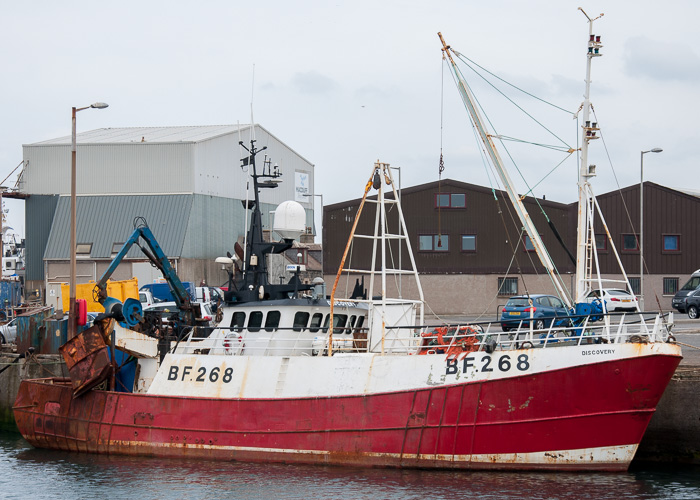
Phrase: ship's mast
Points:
(517, 203)
(585, 239)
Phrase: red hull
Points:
(580, 408)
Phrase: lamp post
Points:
(72, 313)
(312, 203)
(641, 226)
(399, 242)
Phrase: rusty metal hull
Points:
(588, 417)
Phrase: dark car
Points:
(541, 308)
(691, 305)
(682, 300)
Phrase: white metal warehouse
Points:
(187, 182)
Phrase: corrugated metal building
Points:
(187, 182)
(472, 255)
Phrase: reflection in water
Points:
(26, 472)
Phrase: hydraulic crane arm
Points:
(157, 257)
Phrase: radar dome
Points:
(290, 220)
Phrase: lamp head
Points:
(656, 150)
(99, 105)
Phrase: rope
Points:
(687, 345)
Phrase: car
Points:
(8, 332)
(691, 304)
(540, 307)
(615, 299)
(204, 318)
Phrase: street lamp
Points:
(641, 226)
(320, 196)
(400, 229)
(72, 313)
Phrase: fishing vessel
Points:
(325, 387)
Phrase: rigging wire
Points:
(570, 151)
(441, 164)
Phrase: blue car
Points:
(541, 308)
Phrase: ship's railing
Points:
(610, 328)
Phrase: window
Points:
(272, 321)
(672, 243)
(115, 248)
(315, 322)
(630, 243)
(634, 283)
(527, 242)
(238, 320)
(83, 249)
(507, 286)
(601, 242)
(339, 321)
(301, 319)
(469, 243)
(450, 200)
(433, 243)
(670, 286)
(254, 321)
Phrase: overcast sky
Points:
(345, 83)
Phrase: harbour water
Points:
(27, 473)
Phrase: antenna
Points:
(252, 94)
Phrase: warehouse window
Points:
(630, 242)
(507, 286)
(672, 243)
(601, 242)
(670, 286)
(527, 243)
(634, 283)
(433, 243)
(116, 247)
(450, 200)
(469, 243)
(83, 249)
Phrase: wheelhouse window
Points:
(433, 243)
(630, 243)
(255, 321)
(238, 320)
(672, 243)
(469, 243)
(601, 242)
(301, 319)
(450, 200)
(670, 286)
(339, 321)
(316, 320)
(507, 286)
(272, 321)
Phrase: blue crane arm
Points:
(156, 255)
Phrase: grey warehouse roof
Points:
(159, 135)
(106, 220)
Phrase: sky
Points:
(346, 83)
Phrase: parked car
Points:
(543, 310)
(8, 332)
(615, 299)
(691, 304)
(205, 316)
(680, 300)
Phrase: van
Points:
(691, 288)
(203, 294)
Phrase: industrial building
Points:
(472, 254)
(188, 183)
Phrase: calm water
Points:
(29, 473)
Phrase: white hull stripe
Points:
(622, 454)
